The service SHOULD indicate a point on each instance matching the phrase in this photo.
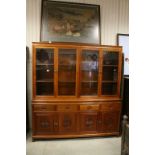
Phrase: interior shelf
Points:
(39, 64)
(89, 81)
(44, 81)
(109, 65)
(109, 81)
(66, 81)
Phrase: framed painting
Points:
(123, 40)
(70, 22)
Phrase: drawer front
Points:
(67, 107)
(111, 106)
(44, 107)
(89, 107)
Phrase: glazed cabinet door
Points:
(89, 72)
(43, 72)
(110, 72)
(88, 122)
(67, 72)
(68, 123)
(45, 123)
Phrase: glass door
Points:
(66, 72)
(44, 71)
(110, 73)
(89, 72)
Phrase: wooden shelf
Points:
(109, 65)
(109, 81)
(66, 81)
(44, 64)
(44, 81)
(89, 81)
(67, 65)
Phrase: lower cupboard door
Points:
(88, 122)
(45, 123)
(110, 121)
(68, 123)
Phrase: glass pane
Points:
(110, 58)
(45, 88)
(89, 72)
(109, 88)
(89, 88)
(44, 71)
(67, 72)
(110, 73)
(45, 56)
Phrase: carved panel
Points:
(43, 123)
(68, 122)
(46, 123)
(110, 121)
(88, 122)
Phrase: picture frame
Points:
(70, 22)
(123, 40)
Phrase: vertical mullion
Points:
(119, 72)
(79, 57)
(77, 72)
(100, 72)
(34, 70)
(56, 72)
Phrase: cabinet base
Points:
(35, 137)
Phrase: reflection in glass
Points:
(89, 72)
(67, 72)
(45, 56)
(110, 73)
(110, 58)
(44, 71)
(109, 88)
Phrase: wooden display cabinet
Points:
(76, 90)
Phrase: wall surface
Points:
(114, 19)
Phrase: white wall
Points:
(114, 19)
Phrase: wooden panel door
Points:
(88, 122)
(45, 123)
(110, 121)
(68, 123)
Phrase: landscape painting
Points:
(70, 22)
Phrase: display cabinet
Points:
(76, 90)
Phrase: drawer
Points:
(67, 107)
(89, 107)
(44, 107)
(111, 106)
